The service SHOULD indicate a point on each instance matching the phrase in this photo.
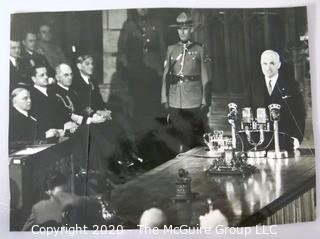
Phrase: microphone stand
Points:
(275, 116)
(232, 117)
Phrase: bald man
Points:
(277, 86)
(107, 138)
(152, 218)
(69, 108)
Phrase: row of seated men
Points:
(72, 105)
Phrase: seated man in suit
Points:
(278, 86)
(43, 105)
(86, 86)
(23, 127)
(30, 58)
(69, 107)
(91, 103)
(103, 138)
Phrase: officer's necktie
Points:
(270, 87)
(183, 57)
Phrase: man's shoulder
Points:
(288, 84)
(15, 114)
(35, 92)
(41, 205)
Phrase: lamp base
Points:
(256, 154)
(277, 155)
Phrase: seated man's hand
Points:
(165, 106)
(105, 113)
(52, 133)
(97, 119)
(71, 126)
(88, 110)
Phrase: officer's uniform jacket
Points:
(189, 64)
(141, 43)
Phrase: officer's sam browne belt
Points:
(175, 79)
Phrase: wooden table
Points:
(281, 191)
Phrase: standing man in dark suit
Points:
(278, 86)
(15, 53)
(184, 84)
(30, 58)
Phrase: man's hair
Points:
(44, 24)
(33, 70)
(53, 179)
(83, 57)
(26, 32)
(270, 52)
(17, 91)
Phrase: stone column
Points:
(112, 24)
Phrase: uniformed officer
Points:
(184, 82)
(141, 51)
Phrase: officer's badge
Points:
(192, 53)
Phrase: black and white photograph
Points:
(192, 119)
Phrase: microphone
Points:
(274, 112)
(232, 117)
(247, 115)
(261, 116)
